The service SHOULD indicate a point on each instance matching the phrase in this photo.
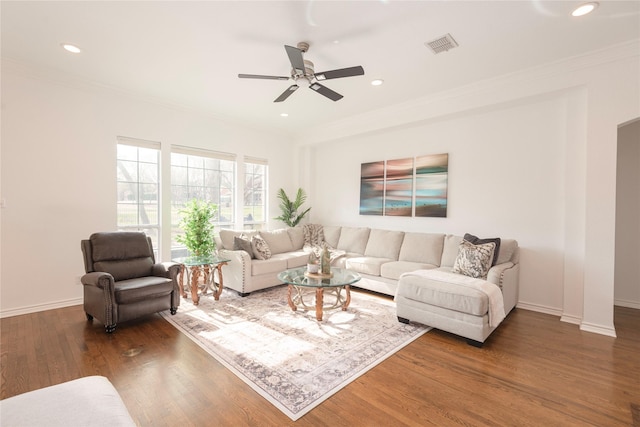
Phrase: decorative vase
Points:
(325, 262)
(313, 268)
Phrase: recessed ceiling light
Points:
(284, 114)
(71, 48)
(377, 82)
(584, 9)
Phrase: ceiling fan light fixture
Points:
(585, 9)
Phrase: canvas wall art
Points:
(398, 194)
(405, 187)
(431, 185)
(371, 188)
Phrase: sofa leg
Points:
(110, 328)
(474, 343)
(403, 320)
(89, 317)
(173, 310)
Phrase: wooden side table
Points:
(195, 266)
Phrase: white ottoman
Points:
(88, 401)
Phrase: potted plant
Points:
(196, 222)
(289, 208)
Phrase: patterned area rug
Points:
(289, 358)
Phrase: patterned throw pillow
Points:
(260, 248)
(242, 243)
(474, 260)
(477, 241)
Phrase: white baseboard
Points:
(539, 308)
(568, 318)
(598, 329)
(40, 307)
(627, 303)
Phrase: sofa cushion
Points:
(394, 269)
(293, 259)
(366, 265)
(331, 235)
(226, 237)
(278, 240)
(478, 241)
(353, 239)
(268, 266)
(296, 234)
(260, 248)
(450, 250)
(452, 296)
(474, 260)
(425, 248)
(384, 244)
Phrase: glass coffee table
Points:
(195, 266)
(302, 284)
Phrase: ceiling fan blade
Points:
(295, 57)
(287, 93)
(343, 72)
(258, 76)
(323, 90)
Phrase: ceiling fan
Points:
(302, 70)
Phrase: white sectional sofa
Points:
(382, 257)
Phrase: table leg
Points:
(319, 303)
(347, 290)
(218, 291)
(195, 274)
(289, 299)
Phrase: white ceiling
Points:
(190, 53)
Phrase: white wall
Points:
(532, 157)
(627, 272)
(505, 180)
(59, 175)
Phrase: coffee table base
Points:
(296, 294)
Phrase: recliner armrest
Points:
(98, 279)
(169, 270)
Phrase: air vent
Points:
(442, 44)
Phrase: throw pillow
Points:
(260, 248)
(478, 241)
(242, 243)
(474, 260)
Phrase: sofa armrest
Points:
(170, 270)
(506, 276)
(237, 273)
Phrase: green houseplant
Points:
(196, 222)
(289, 208)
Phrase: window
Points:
(204, 175)
(255, 180)
(138, 209)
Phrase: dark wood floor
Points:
(533, 371)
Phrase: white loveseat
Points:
(382, 257)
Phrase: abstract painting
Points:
(398, 195)
(431, 185)
(371, 188)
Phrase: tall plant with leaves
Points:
(289, 208)
(196, 222)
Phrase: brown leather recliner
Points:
(123, 280)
